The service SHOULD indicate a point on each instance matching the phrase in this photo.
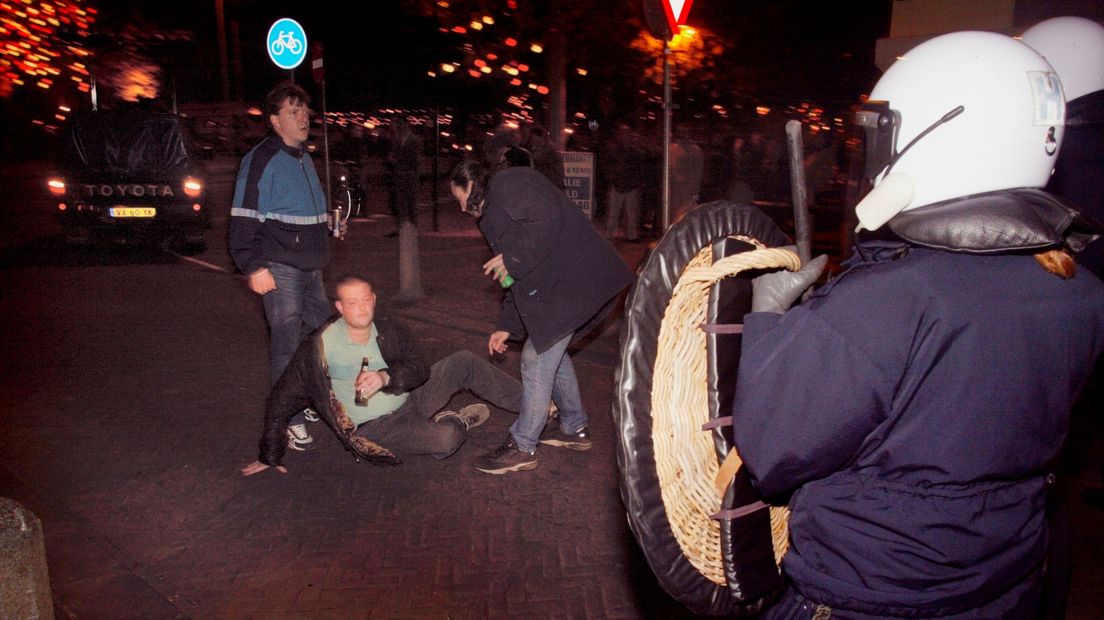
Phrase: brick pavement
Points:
(133, 466)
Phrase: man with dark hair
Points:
(278, 233)
(546, 159)
(399, 411)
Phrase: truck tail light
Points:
(57, 186)
(192, 187)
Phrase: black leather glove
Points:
(778, 290)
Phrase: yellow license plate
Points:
(133, 212)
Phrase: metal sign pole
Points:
(666, 134)
(326, 151)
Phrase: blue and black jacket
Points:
(279, 210)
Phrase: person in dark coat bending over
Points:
(910, 410)
(560, 276)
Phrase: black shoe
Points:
(505, 459)
(554, 436)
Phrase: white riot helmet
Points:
(1074, 46)
(961, 114)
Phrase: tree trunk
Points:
(410, 279)
(557, 87)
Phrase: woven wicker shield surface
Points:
(669, 466)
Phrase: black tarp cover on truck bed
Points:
(125, 144)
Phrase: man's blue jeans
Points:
(547, 377)
(297, 307)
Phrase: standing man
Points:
(278, 234)
(546, 159)
(687, 168)
(626, 177)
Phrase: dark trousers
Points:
(411, 429)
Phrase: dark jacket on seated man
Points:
(306, 383)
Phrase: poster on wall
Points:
(579, 180)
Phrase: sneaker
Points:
(298, 437)
(311, 415)
(471, 416)
(505, 459)
(554, 436)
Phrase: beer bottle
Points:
(361, 399)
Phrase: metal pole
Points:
(326, 152)
(436, 152)
(666, 135)
(220, 20)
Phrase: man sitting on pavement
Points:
(403, 415)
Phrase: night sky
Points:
(378, 56)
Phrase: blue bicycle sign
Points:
(286, 43)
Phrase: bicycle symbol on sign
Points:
(286, 41)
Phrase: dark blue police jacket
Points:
(912, 407)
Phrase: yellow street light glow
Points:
(476, 25)
(485, 69)
(431, 73)
(762, 110)
(487, 19)
(581, 71)
(447, 68)
(536, 48)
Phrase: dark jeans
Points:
(411, 429)
(295, 308)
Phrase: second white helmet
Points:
(1074, 46)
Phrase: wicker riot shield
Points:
(711, 541)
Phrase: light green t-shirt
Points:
(344, 357)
